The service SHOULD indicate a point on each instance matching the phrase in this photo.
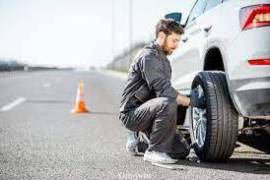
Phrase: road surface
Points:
(41, 139)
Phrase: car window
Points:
(197, 10)
(212, 3)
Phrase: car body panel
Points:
(249, 86)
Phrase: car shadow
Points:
(260, 142)
(258, 165)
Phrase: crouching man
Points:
(149, 101)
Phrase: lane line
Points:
(13, 104)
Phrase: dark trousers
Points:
(160, 114)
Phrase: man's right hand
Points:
(182, 100)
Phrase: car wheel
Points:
(213, 130)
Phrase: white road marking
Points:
(47, 85)
(13, 104)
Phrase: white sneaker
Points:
(132, 141)
(158, 157)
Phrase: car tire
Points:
(213, 130)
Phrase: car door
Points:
(186, 61)
(211, 25)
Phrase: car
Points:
(225, 56)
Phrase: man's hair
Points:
(168, 26)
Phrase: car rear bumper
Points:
(250, 85)
(252, 97)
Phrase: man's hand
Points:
(182, 100)
(196, 100)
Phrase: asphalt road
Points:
(41, 139)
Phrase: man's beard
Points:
(164, 48)
(166, 52)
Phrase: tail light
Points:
(259, 62)
(255, 16)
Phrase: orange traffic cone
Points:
(80, 106)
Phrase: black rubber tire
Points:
(222, 118)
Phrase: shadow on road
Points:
(260, 142)
(236, 164)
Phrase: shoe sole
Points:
(159, 162)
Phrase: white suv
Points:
(225, 56)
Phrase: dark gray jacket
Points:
(149, 76)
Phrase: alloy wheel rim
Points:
(199, 121)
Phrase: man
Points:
(149, 101)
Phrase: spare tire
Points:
(213, 130)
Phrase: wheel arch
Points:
(213, 60)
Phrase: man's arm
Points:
(152, 70)
(194, 100)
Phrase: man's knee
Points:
(168, 106)
(169, 103)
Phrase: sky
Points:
(78, 33)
